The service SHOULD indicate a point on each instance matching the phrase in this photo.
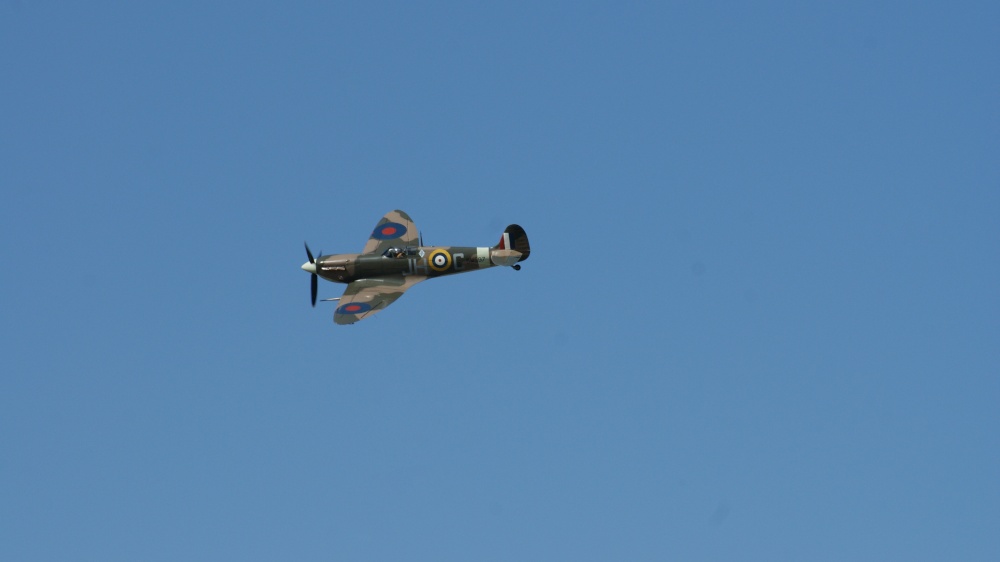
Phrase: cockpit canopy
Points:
(397, 252)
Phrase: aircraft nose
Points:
(310, 267)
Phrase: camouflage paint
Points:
(374, 281)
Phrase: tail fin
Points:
(514, 238)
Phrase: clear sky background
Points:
(761, 318)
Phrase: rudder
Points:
(514, 238)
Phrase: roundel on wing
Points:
(389, 231)
(439, 260)
(354, 308)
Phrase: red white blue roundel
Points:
(389, 231)
(354, 308)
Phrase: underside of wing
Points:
(365, 297)
(395, 229)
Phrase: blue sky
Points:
(761, 318)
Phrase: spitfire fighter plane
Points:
(395, 259)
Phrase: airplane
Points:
(395, 259)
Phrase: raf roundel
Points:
(439, 260)
(389, 231)
(354, 308)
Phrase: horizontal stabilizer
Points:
(505, 257)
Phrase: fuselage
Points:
(424, 261)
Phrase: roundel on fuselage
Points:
(439, 260)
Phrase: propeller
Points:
(314, 285)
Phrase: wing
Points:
(365, 297)
(395, 229)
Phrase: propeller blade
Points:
(314, 286)
(310, 254)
